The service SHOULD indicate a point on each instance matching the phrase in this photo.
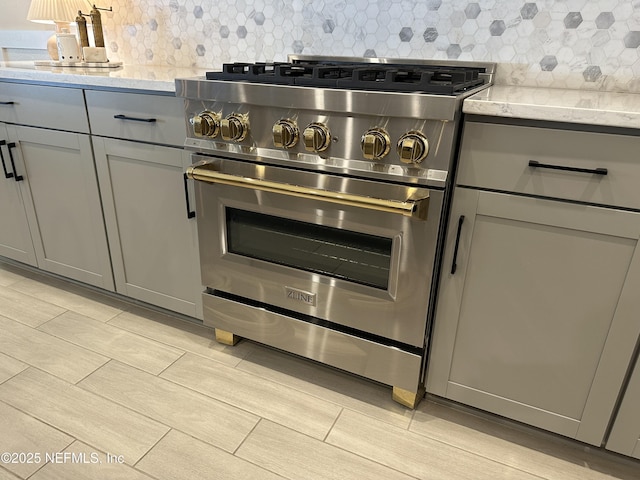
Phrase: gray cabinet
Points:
(66, 222)
(52, 215)
(41, 106)
(15, 238)
(625, 434)
(152, 235)
(130, 231)
(538, 320)
(153, 239)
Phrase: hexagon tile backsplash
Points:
(588, 44)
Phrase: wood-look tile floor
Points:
(93, 387)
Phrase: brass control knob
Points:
(235, 127)
(413, 147)
(375, 143)
(285, 134)
(317, 137)
(206, 124)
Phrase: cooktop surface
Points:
(446, 80)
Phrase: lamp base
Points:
(52, 47)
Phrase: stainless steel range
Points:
(322, 187)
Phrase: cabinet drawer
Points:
(497, 157)
(39, 106)
(134, 116)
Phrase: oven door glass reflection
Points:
(352, 256)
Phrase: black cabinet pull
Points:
(7, 103)
(135, 119)
(16, 177)
(190, 213)
(454, 265)
(595, 171)
(7, 174)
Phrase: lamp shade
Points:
(51, 11)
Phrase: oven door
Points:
(347, 252)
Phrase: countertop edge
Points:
(150, 79)
(585, 107)
(607, 109)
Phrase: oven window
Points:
(353, 256)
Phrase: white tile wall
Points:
(591, 44)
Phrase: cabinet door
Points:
(153, 239)
(625, 435)
(64, 211)
(539, 321)
(15, 239)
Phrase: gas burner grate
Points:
(356, 76)
(250, 72)
(433, 80)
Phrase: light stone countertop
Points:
(127, 77)
(558, 105)
(533, 103)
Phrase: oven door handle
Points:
(413, 207)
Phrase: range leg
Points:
(226, 338)
(408, 398)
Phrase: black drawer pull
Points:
(595, 171)
(16, 177)
(190, 213)
(7, 174)
(7, 103)
(135, 119)
(454, 264)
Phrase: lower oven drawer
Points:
(386, 364)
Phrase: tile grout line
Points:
(510, 427)
(47, 463)
(324, 440)
(109, 360)
(2, 468)
(167, 343)
(413, 413)
(74, 438)
(149, 450)
(81, 292)
(163, 370)
(100, 395)
(236, 407)
(37, 327)
(107, 355)
(161, 422)
(48, 304)
(224, 402)
(33, 416)
(337, 447)
(186, 387)
(314, 395)
(39, 299)
(206, 443)
(30, 365)
(260, 419)
(496, 461)
(17, 360)
(280, 425)
(357, 454)
(253, 375)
